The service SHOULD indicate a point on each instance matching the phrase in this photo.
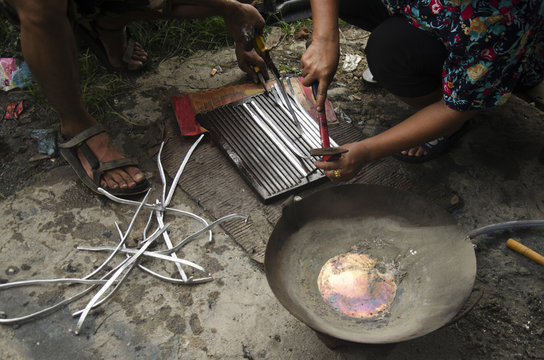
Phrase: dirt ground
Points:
(507, 322)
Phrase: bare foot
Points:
(115, 43)
(417, 151)
(104, 150)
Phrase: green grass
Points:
(9, 39)
(181, 38)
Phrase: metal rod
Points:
(193, 236)
(292, 114)
(52, 308)
(278, 132)
(280, 166)
(253, 162)
(110, 294)
(307, 116)
(180, 171)
(189, 281)
(312, 129)
(168, 242)
(22, 283)
(276, 141)
(129, 263)
(154, 207)
(123, 238)
(161, 174)
(153, 254)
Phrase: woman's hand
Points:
(320, 60)
(431, 122)
(319, 63)
(348, 165)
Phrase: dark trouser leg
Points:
(405, 60)
(365, 14)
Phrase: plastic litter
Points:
(14, 76)
(46, 138)
(22, 77)
(13, 110)
(7, 67)
(351, 61)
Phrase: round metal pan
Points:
(436, 262)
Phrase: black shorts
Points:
(405, 60)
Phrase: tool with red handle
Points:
(328, 153)
(323, 126)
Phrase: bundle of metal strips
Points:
(112, 279)
(258, 136)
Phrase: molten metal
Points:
(353, 285)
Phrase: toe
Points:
(420, 152)
(136, 175)
(135, 65)
(114, 180)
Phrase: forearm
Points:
(325, 20)
(320, 60)
(429, 123)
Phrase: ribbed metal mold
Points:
(258, 136)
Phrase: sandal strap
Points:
(103, 167)
(103, 30)
(79, 142)
(90, 156)
(129, 50)
(82, 136)
(119, 163)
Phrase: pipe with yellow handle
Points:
(524, 250)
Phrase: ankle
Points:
(109, 28)
(72, 128)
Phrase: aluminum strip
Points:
(243, 159)
(278, 168)
(249, 157)
(309, 134)
(277, 141)
(277, 130)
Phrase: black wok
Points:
(436, 260)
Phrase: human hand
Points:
(319, 63)
(347, 165)
(244, 22)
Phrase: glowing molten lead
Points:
(352, 285)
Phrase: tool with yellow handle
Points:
(261, 77)
(262, 50)
(524, 250)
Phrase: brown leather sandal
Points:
(69, 148)
(90, 34)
